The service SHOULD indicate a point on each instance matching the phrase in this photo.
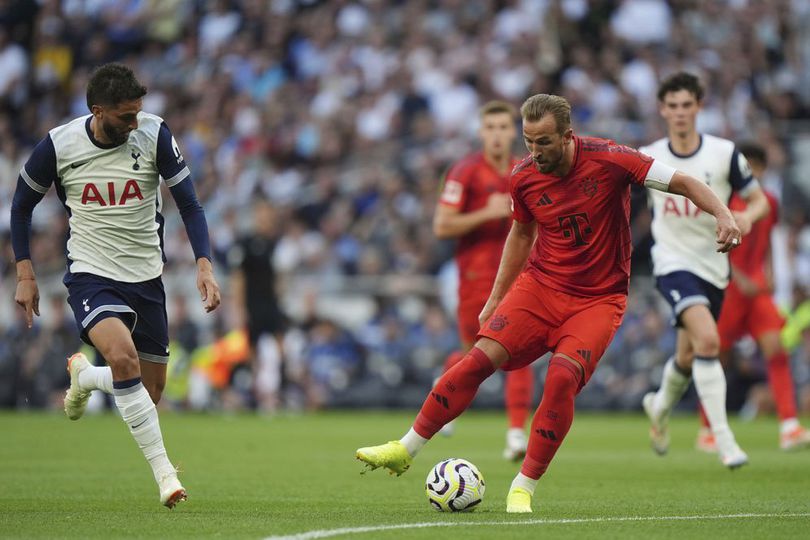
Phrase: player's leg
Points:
(470, 305)
(515, 332)
(84, 378)
(452, 394)
(580, 343)
(674, 382)
(518, 390)
(710, 381)
(113, 340)
(153, 376)
(791, 434)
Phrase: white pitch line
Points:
(328, 533)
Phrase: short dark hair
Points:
(681, 81)
(112, 84)
(753, 151)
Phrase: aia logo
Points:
(91, 194)
(680, 207)
(498, 323)
(589, 187)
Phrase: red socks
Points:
(781, 382)
(519, 387)
(553, 418)
(453, 393)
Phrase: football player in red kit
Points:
(475, 208)
(749, 309)
(561, 285)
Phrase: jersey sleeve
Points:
(740, 175)
(36, 176)
(456, 186)
(170, 162)
(636, 164)
(39, 172)
(520, 212)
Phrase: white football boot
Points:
(516, 444)
(76, 398)
(171, 491)
(659, 434)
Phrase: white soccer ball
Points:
(455, 485)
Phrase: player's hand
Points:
(207, 285)
(27, 296)
(743, 222)
(728, 233)
(499, 205)
(486, 313)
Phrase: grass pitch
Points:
(255, 477)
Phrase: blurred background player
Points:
(106, 167)
(254, 282)
(749, 309)
(572, 195)
(475, 207)
(691, 272)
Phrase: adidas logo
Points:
(544, 200)
(441, 399)
(585, 354)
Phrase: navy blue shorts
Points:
(141, 306)
(684, 289)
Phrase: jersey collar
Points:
(684, 156)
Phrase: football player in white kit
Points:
(690, 271)
(106, 168)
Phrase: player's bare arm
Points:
(728, 233)
(27, 294)
(756, 208)
(207, 285)
(449, 222)
(515, 253)
(746, 285)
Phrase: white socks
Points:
(413, 442)
(96, 378)
(673, 385)
(523, 481)
(787, 425)
(710, 383)
(140, 415)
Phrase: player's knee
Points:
(706, 344)
(563, 377)
(122, 357)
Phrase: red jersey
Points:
(583, 244)
(749, 258)
(468, 185)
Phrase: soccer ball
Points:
(455, 485)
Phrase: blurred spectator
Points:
(343, 115)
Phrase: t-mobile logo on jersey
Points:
(570, 225)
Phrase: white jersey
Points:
(685, 237)
(111, 194)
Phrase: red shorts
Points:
(471, 300)
(742, 315)
(533, 319)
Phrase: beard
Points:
(115, 136)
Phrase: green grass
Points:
(254, 477)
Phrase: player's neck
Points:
(684, 143)
(501, 163)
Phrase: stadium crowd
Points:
(344, 115)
